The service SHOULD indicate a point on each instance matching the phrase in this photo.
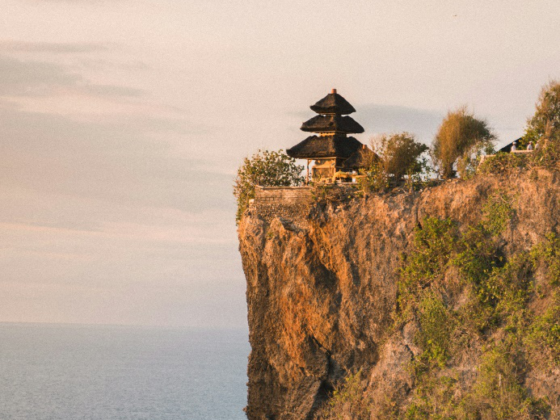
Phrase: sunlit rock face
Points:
(322, 289)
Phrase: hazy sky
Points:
(122, 123)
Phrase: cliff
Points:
(441, 303)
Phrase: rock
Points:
(321, 292)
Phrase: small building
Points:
(332, 146)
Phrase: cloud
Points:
(37, 78)
(108, 222)
(19, 78)
(118, 161)
(377, 119)
(50, 47)
(386, 119)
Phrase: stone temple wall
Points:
(287, 202)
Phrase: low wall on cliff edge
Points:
(288, 202)
(294, 203)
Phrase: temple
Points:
(332, 146)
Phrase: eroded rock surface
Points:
(321, 292)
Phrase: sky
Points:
(123, 122)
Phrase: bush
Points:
(435, 398)
(374, 179)
(498, 211)
(329, 193)
(543, 338)
(436, 326)
(433, 243)
(502, 163)
(400, 154)
(547, 156)
(267, 169)
(548, 253)
(348, 401)
(460, 136)
(545, 123)
(498, 393)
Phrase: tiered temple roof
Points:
(333, 103)
(332, 123)
(325, 146)
(333, 128)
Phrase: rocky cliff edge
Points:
(340, 298)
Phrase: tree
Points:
(546, 120)
(399, 154)
(267, 169)
(460, 135)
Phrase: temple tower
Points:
(332, 146)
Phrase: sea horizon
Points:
(112, 372)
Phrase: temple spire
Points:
(332, 146)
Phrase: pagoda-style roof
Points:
(362, 158)
(330, 146)
(331, 124)
(333, 103)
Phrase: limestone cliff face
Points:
(322, 290)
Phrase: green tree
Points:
(399, 154)
(546, 120)
(460, 136)
(267, 169)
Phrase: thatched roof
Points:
(333, 103)
(325, 146)
(360, 159)
(332, 123)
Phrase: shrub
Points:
(436, 325)
(435, 398)
(400, 154)
(329, 193)
(476, 255)
(433, 243)
(548, 253)
(498, 393)
(460, 135)
(498, 211)
(545, 123)
(374, 179)
(547, 156)
(543, 337)
(502, 163)
(348, 401)
(267, 169)
(507, 290)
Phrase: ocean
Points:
(77, 372)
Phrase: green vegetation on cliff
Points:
(265, 168)
(468, 300)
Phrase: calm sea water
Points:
(66, 372)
